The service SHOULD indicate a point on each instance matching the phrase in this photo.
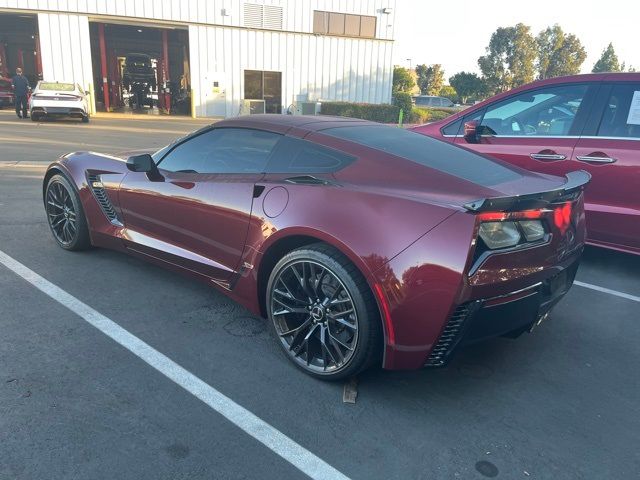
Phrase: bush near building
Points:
(383, 113)
(424, 115)
(403, 100)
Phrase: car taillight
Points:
(533, 230)
(508, 229)
(499, 234)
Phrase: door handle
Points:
(595, 159)
(548, 157)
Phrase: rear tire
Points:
(323, 313)
(85, 119)
(65, 215)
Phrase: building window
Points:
(262, 16)
(267, 86)
(344, 24)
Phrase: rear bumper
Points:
(428, 288)
(74, 112)
(507, 315)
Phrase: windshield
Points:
(60, 87)
(429, 152)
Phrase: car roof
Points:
(284, 123)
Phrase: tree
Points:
(558, 53)
(467, 85)
(608, 61)
(430, 78)
(509, 60)
(447, 91)
(402, 80)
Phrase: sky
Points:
(455, 33)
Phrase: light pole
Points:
(409, 60)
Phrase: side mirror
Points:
(471, 131)
(141, 163)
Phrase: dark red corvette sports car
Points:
(362, 243)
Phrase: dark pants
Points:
(21, 104)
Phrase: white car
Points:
(55, 99)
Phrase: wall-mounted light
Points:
(225, 13)
(387, 10)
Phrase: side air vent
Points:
(451, 333)
(95, 184)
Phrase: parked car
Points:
(427, 101)
(139, 79)
(558, 125)
(138, 68)
(56, 99)
(6, 92)
(361, 243)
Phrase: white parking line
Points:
(269, 436)
(607, 290)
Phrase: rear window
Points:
(429, 152)
(60, 87)
(294, 155)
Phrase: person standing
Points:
(20, 86)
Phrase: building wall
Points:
(319, 67)
(298, 14)
(65, 48)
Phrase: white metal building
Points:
(284, 51)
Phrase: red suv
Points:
(555, 126)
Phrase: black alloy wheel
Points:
(323, 313)
(65, 215)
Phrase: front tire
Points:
(323, 313)
(65, 215)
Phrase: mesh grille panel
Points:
(103, 199)
(449, 335)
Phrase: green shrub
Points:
(417, 115)
(403, 101)
(383, 113)
(424, 115)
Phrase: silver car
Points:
(55, 99)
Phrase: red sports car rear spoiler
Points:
(575, 182)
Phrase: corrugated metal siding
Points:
(297, 14)
(65, 47)
(324, 68)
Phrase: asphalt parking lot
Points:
(561, 403)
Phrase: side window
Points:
(621, 116)
(452, 128)
(293, 155)
(545, 112)
(222, 150)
